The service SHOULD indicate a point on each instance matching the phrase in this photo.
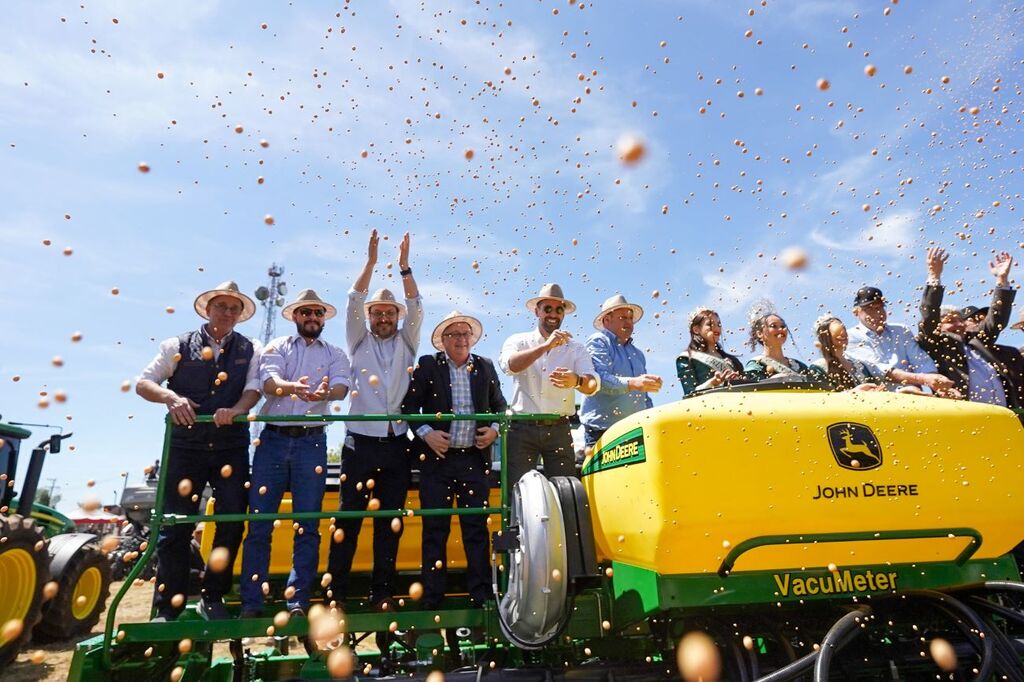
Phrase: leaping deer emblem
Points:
(852, 450)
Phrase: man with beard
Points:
(375, 466)
(547, 367)
(301, 375)
(208, 371)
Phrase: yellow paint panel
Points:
(721, 469)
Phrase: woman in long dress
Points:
(705, 364)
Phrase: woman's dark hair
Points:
(697, 342)
(757, 326)
(838, 375)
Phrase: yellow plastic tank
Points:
(676, 488)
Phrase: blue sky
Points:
(850, 175)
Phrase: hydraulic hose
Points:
(803, 664)
(833, 639)
(948, 604)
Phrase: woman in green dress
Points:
(705, 364)
(770, 331)
(843, 372)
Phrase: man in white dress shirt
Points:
(547, 368)
(375, 461)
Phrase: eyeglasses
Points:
(225, 308)
(548, 309)
(383, 313)
(310, 312)
(456, 335)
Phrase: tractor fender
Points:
(63, 547)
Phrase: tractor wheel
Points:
(24, 569)
(84, 585)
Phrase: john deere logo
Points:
(854, 446)
(626, 449)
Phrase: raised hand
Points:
(403, 253)
(936, 260)
(1000, 267)
(559, 337)
(371, 251)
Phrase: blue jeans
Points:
(282, 462)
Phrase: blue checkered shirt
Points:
(462, 432)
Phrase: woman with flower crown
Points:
(705, 364)
(769, 330)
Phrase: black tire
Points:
(83, 589)
(24, 569)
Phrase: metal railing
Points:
(159, 519)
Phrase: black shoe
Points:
(163, 618)
(212, 609)
(297, 612)
(250, 613)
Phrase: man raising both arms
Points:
(375, 458)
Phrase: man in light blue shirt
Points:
(892, 347)
(301, 375)
(621, 366)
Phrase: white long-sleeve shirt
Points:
(389, 361)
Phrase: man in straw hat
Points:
(301, 375)
(382, 360)
(547, 367)
(622, 367)
(211, 370)
(455, 456)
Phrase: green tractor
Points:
(40, 550)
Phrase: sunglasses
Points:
(548, 309)
(378, 314)
(310, 312)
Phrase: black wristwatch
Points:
(406, 272)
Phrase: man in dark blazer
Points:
(1010, 356)
(455, 455)
(967, 357)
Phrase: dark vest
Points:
(196, 378)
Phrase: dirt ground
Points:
(56, 661)
(57, 656)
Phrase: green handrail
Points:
(159, 519)
(855, 536)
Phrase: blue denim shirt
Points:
(615, 364)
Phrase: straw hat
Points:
(552, 291)
(614, 303)
(476, 330)
(384, 297)
(308, 297)
(228, 288)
